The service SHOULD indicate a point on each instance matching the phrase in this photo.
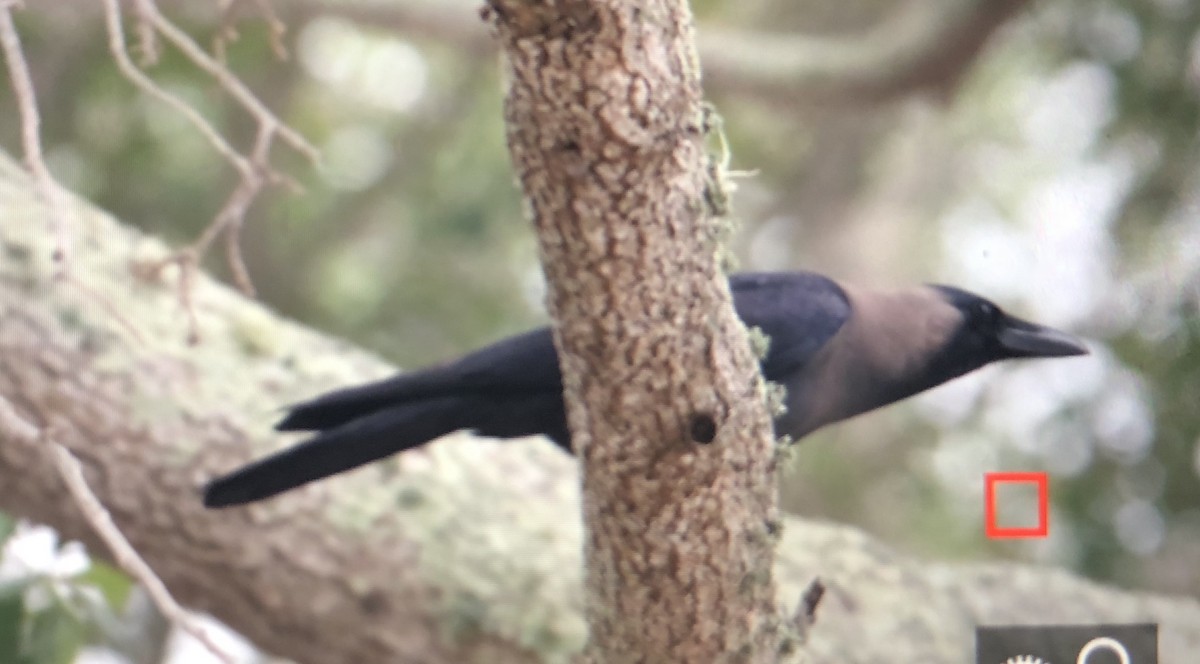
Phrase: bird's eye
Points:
(985, 314)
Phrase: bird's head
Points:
(986, 334)
(898, 343)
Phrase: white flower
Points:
(33, 551)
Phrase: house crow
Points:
(838, 350)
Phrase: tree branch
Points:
(466, 551)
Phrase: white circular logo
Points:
(1103, 643)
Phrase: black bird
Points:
(839, 350)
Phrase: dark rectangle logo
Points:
(1067, 644)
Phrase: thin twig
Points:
(228, 81)
(811, 599)
(71, 471)
(255, 170)
(125, 555)
(50, 191)
(117, 45)
(227, 33)
(277, 27)
(229, 220)
(31, 142)
(237, 215)
(148, 46)
(805, 615)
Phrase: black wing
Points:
(799, 311)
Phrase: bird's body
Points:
(838, 350)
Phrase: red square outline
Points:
(1042, 529)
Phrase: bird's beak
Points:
(1024, 339)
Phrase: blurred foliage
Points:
(49, 608)
(7, 526)
(1061, 177)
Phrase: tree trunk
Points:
(666, 408)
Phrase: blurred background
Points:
(1044, 154)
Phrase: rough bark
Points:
(467, 551)
(667, 411)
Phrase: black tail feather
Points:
(342, 406)
(339, 449)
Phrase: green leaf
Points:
(7, 526)
(12, 616)
(112, 583)
(55, 637)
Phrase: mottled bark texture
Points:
(467, 551)
(667, 411)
